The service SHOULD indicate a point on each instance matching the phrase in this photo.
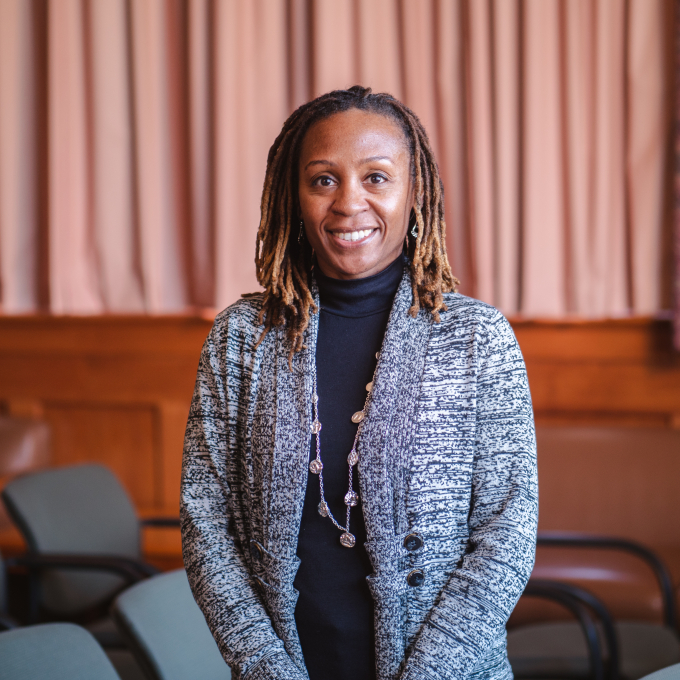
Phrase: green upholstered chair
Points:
(558, 649)
(163, 626)
(75, 510)
(53, 651)
(670, 673)
(79, 519)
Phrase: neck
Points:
(360, 297)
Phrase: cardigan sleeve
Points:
(476, 602)
(215, 564)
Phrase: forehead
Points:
(354, 132)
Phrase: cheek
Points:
(396, 210)
(313, 207)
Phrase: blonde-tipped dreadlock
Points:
(283, 263)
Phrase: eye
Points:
(377, 178)
(323, 181)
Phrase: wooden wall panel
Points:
(117, 390)
(616, 372)
(121, 437)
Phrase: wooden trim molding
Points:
(116, 389)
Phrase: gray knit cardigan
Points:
(447, 452)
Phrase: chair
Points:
(53, 651)
(557, 647)
(670, 673)
(166, 631)
(78, 518)
(532, 657)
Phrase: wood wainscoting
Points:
(116, 389)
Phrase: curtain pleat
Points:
(543, 276)
(134, 137)
(451, 122)
(250, 107)
(480, 137)
(112, 192)
(647, 119)
(19, 176)
(505, 34)
(74, 281)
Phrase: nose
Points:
(350, 199)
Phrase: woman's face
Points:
(355, 192)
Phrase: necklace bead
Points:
(353, 458)
(316, 466)
(351, 498)
(358, 417)
(316, 427)
(323, 509)
(347, 540)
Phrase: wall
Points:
(116, 389)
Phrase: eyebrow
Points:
(370, 159)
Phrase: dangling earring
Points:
(414, 227)
(302, 231)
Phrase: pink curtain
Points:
(676, 179)
(134, 134)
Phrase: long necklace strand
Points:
(347, 539)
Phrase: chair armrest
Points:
(131, 570)
(577, 540)
(160, 522)
(556, 592)
(595, 604)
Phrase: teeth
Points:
(353, 235)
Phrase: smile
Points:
(353, 235)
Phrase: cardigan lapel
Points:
(385, 441)
(384, 461)
(292, 441)
(287, 485)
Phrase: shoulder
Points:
(474, 329)
(467, 315)
(237, 328)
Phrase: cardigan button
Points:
(415, 578)
(413, 542)
(256, 551)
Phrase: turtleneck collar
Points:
(360, 297)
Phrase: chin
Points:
(353, 267)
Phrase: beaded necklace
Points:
(347, 539)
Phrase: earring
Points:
(302, 231)
(414, 228)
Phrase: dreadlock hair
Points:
(284, 263)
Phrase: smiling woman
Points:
(359, 494)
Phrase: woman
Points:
(359, 494)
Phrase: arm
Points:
(482, 592)
(215, 564)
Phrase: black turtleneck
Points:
(334, 613)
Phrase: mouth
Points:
(353, 236)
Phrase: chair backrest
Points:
(80, 509)
(166, 631)
(53, 651)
